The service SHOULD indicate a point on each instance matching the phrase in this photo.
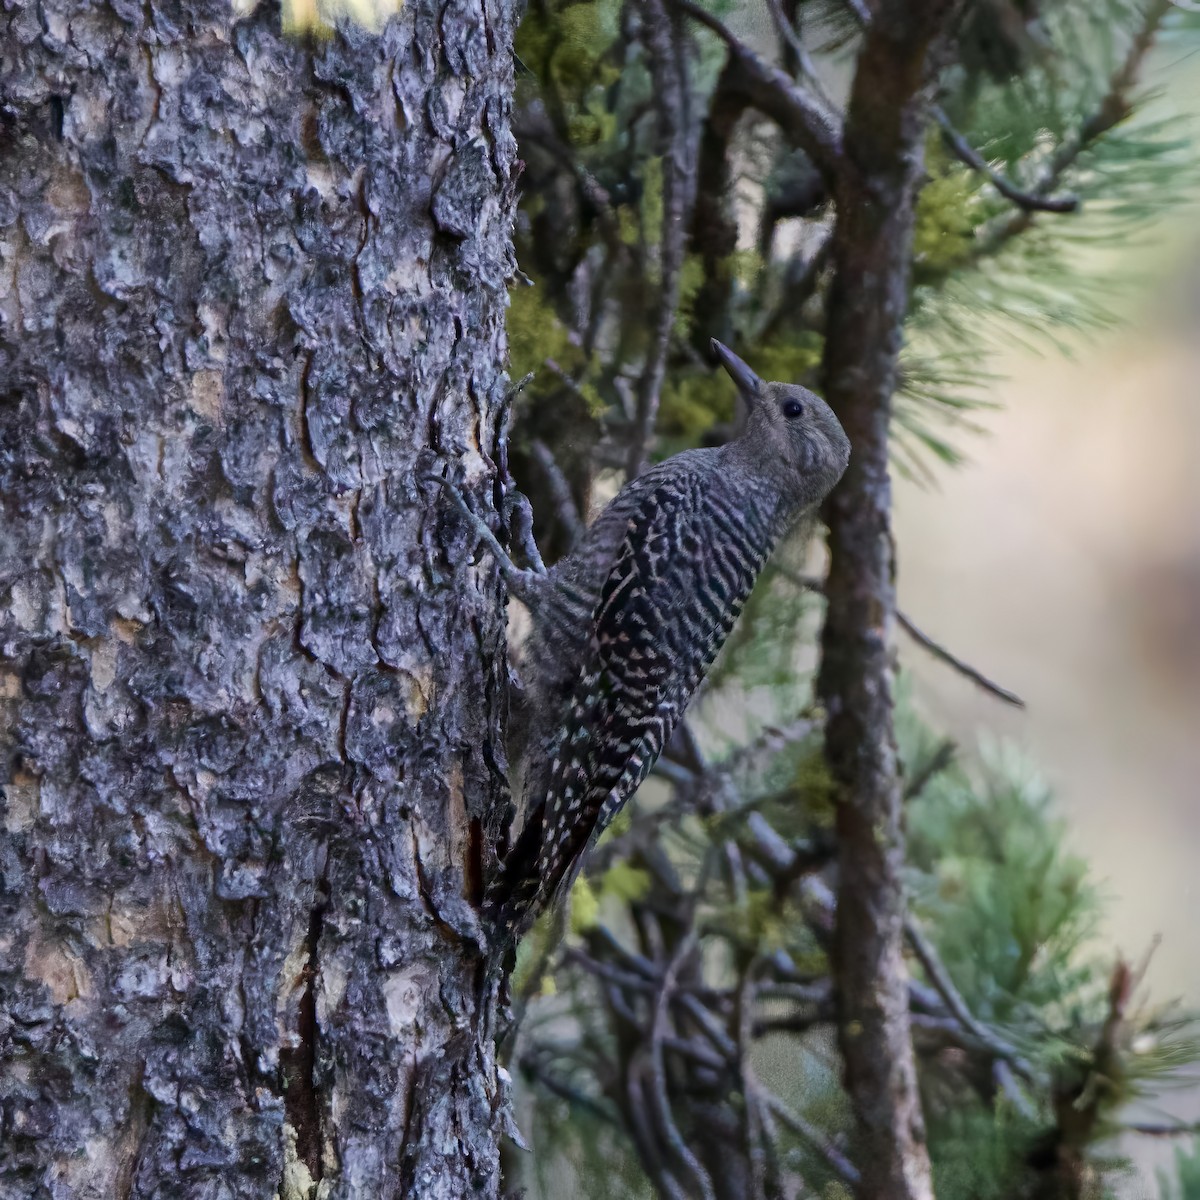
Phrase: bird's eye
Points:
(793, 409)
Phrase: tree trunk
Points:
(876, 194)
(251, 703)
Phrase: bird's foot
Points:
(519, 519)
(525, 585)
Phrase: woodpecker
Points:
(625, 627)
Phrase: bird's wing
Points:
(665, 608)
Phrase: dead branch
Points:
(667, 59)
(802, 116)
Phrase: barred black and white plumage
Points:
(627, 626)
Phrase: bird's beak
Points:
(747, 382)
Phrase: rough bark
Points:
(250, 703)
(875, 192)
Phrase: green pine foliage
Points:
(1013, 915)
(1184, 1182)
(986, 275)
(1012, 907)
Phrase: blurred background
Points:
(1063, 559)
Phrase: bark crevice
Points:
(298, 1064)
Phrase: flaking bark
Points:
(250, 712)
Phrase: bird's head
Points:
(790, 431)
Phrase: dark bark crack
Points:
(298, 1064)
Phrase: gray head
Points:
(791, 432)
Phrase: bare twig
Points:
(801, 278)
(812, 584)
(571, 384)
(802, 116)
(738, 883)
(1163, 1129)
(641, 1126)
(658, 1031)
(951, 660)
(751, 1115)
(841, 1166)
(609, 973)
(710, 1026)
(695, 1051)
(536, 128)
(861, 12)
(939, 760)
(533, 1068)
(791, 39)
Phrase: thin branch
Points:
(531, 1067)
(801, 277)
(862, 14)
(694, 1051)
(925, 641)
(939, 760)
(611, 974)
(842, 1167)
(535, 128)
(1029, 201)
(791, 39)
(710, 1026)
(570, 383)
(752, 1115)
(1163, 1129)
(658, 1032)
(641, 1125)
(963, 668)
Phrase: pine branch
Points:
(1115, 106)
(812, 584)
(966, 153)
(886, 120)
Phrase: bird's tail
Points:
(513, 900)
